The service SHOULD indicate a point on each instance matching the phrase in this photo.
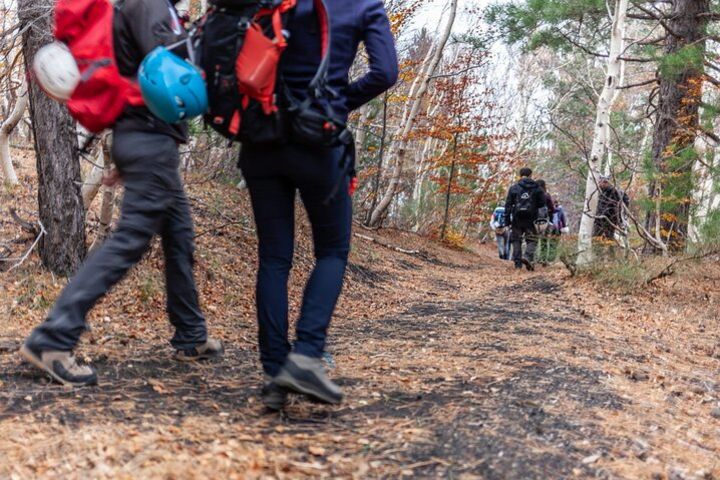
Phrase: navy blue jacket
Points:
(351, 22)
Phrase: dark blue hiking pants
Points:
(274, 175)
(154, 204)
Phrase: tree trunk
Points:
(5, 130)
(108, 201)
(677, 120)
(448, 191)
(381, 154)
(93, 180)
(705, 194)
(60, 206)
(362, 128)
(602, 132)
(704, 186)
(426, 73)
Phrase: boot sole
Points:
(274, 401)
(204, 356)
(34, 360)
(289, 382)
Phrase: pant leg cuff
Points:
(307, 350)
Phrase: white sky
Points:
(434, 9)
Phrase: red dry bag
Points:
(257, 64)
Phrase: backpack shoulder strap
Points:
(325, 40)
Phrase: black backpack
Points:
(222, 33)
(240, 46)
(526, 207)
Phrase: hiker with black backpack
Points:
(290, 116)
(145, 152)
(526, 202)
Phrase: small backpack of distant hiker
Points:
(559, 219)
(526, 207)
(100, 97)
(499, 216)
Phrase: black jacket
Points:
(138, 27)
(513, 198)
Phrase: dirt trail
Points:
(476, 371)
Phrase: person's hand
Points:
(112, 178)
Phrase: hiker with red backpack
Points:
(286, 95)
(114, 48)
(526, 202)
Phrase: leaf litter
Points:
(454, 365)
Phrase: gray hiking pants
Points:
(154, 204)
(523, 231)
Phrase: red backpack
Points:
(86, 27)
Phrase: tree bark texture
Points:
(60, 205)
(677, 123)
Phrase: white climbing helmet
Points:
(56, 71)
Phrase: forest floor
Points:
(453, 364)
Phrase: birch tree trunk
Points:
(362, 128)
(704, 182)
(417, 99)
(108, 201)
(5, 130)
(381, 155)
(602, 132)
(93, 181)
(60, 206)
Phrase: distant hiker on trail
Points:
(502, 232)
(145, 151)
(525, 203)
(559, 220)
(549, 202)
(610, 218)
(558, 226)
(276, 172)
(545, 227)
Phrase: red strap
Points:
(353, 186)
(278, 28)
(235, 123)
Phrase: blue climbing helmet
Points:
(172, 88)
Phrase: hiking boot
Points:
(518, 265)
(61, 366)
(210, 349)
(528, 264)
(306, 375)
(272, 395)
